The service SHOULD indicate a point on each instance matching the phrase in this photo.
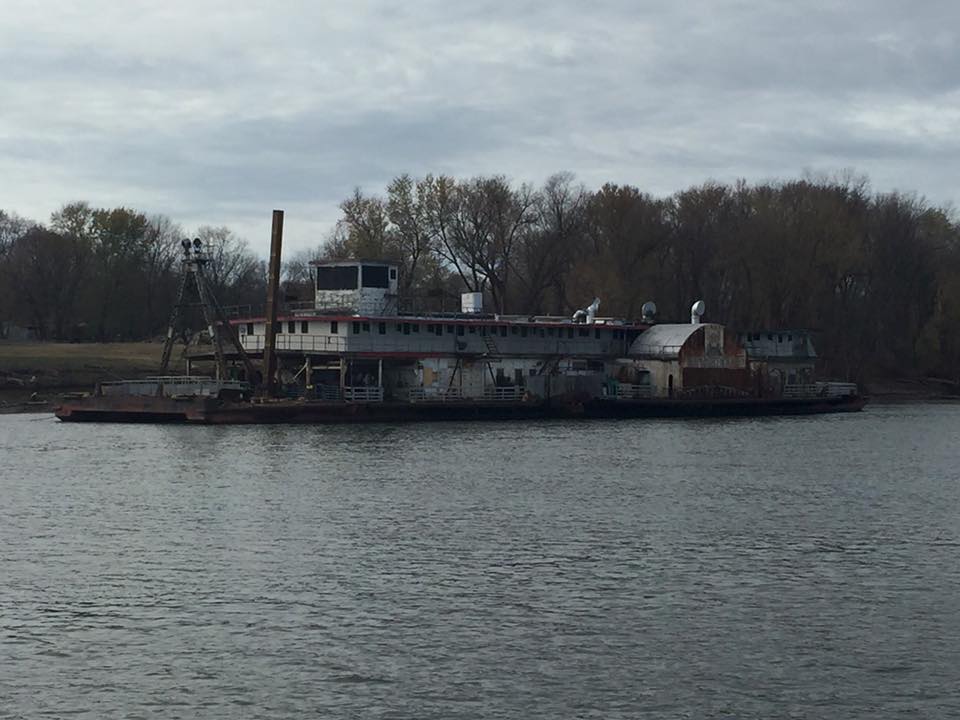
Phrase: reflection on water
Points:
(746, 568)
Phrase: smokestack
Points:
(273, 293)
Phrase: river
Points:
(757, 568)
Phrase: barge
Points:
(352, 355)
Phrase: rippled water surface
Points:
(789, 567)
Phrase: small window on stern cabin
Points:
(333, 327)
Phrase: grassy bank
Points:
(36, 375)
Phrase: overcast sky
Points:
(217, 111)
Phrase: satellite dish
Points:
(649, 310)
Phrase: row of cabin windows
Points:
(460, 330)
(758, 336)
(438, 329)
(292, 327)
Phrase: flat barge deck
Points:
(215, 411)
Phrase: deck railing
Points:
(820, 389)
(363, 393)
(627, 391)
(504, 393)
(435, 395)
(298, 343)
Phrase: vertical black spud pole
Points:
(273, 290)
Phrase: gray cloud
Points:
(216, 112)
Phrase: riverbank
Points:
(34, 377)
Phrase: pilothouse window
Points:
(375, 276)
(337, 278)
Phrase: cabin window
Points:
(503, 331)
(551, 332)
(501, 378)
(249, 328)
(366, 327)
(356, 328)
(583, 332)
(518, 376)
(429, 328)
(543, 332)
(393, 273)
(399, 327)
(523, 332)
(789, 338)
(406, 328)
(292, 326)
(333, 327)
(596, 333)
(375, 276)
(439, 329)
(337, 278)
(770, 337)
(570, 333)
(304, 327)
(460, 330)
(779, 338)
(416, 327)
(483, 330)
(382, 328)
(514, 330)
(449, 329)
(279, 328)
(473, 330)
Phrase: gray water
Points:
(786, 567)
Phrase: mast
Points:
(273, 290)
(194, 282)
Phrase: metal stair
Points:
(492, 348)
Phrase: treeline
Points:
(877, 276)
(109, 274)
